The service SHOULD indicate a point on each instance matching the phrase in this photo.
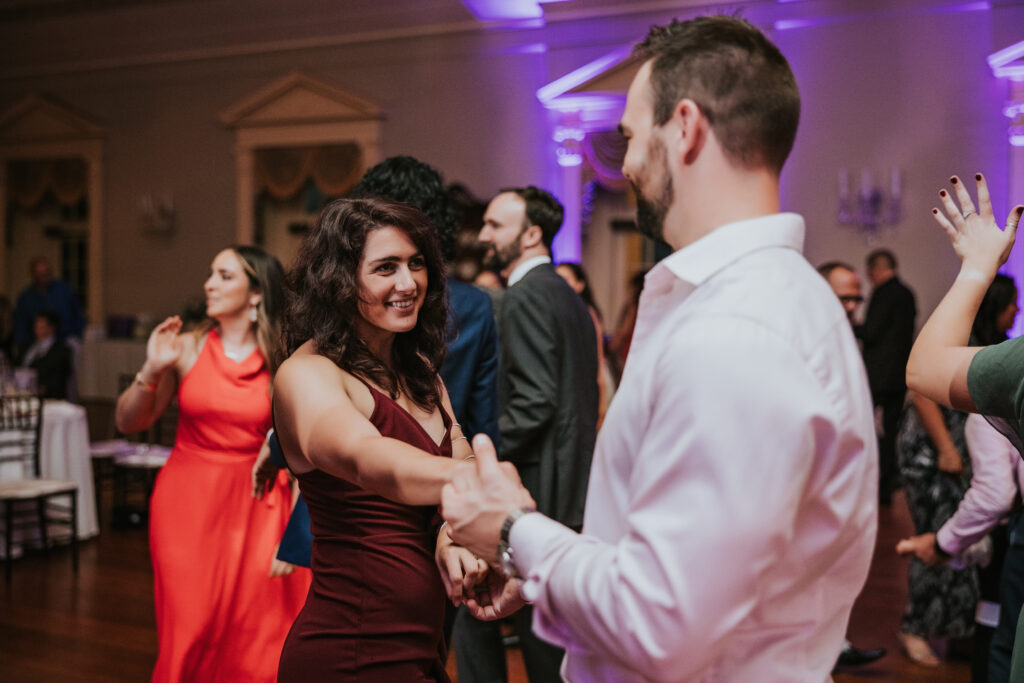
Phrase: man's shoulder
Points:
(467, 297)
(543, 286)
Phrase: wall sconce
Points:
(157, 215)
(871, 207)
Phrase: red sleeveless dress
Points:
(375, 610)
(220, 617)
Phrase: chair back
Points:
(21, 427)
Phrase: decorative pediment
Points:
(1008, 62)
(41, 118)
(299, 99)
(595, 91)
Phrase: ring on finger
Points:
(967, 213)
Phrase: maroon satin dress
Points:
(375, 609)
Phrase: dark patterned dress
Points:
(942, 600)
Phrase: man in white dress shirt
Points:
(731, 513)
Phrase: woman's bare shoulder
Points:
(308, 378)
(306, 364)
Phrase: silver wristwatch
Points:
(505, 554)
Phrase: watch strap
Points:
(513, 517)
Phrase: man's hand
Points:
(496, 598)
(923, 547)
(478, 499)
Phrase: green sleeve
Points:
(995, 379)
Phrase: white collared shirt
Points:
(732, 508)
(525, 267)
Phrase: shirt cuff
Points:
(533, 538)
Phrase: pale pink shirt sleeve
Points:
(712, 498)
(995, 464)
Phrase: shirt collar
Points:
(525, 267)
(726, 244)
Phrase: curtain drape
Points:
(283, 172)
(30, 181)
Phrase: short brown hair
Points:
(739, 79)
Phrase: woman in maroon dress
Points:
(364, 423)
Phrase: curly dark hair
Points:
(324, 298)
(739, 79)
(410, 181)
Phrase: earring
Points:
(253, 314)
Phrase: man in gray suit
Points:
(547, 398)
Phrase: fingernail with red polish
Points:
(942, 193)
(977, 176)
(935, 211)
(953, 180)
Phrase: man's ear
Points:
(531, 237)
(689, 128)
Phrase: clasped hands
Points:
(475, 502)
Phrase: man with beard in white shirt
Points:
(731, 513)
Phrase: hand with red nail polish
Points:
(977, 240)
(937, 368)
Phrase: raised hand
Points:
(164, 346)
(980, 244)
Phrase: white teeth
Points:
(401, 304)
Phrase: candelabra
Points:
(872, 207)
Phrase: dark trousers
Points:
(480, 654)
(888, 469)
(989, 579)
(1011, 597)
(543, 660)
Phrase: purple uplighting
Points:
(787, 24)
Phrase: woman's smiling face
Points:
(392, 283)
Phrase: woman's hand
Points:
(980, 244)
(460, 569)
(264, 472)
(949, 461)
(280, 567)
(164, 347)
(499, 598)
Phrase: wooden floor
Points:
(98, 626)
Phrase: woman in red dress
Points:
(364, 423)
(223, 603)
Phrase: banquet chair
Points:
(133, 471)
(29, 502)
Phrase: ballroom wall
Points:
(885, 84)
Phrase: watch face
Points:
(508, 565)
